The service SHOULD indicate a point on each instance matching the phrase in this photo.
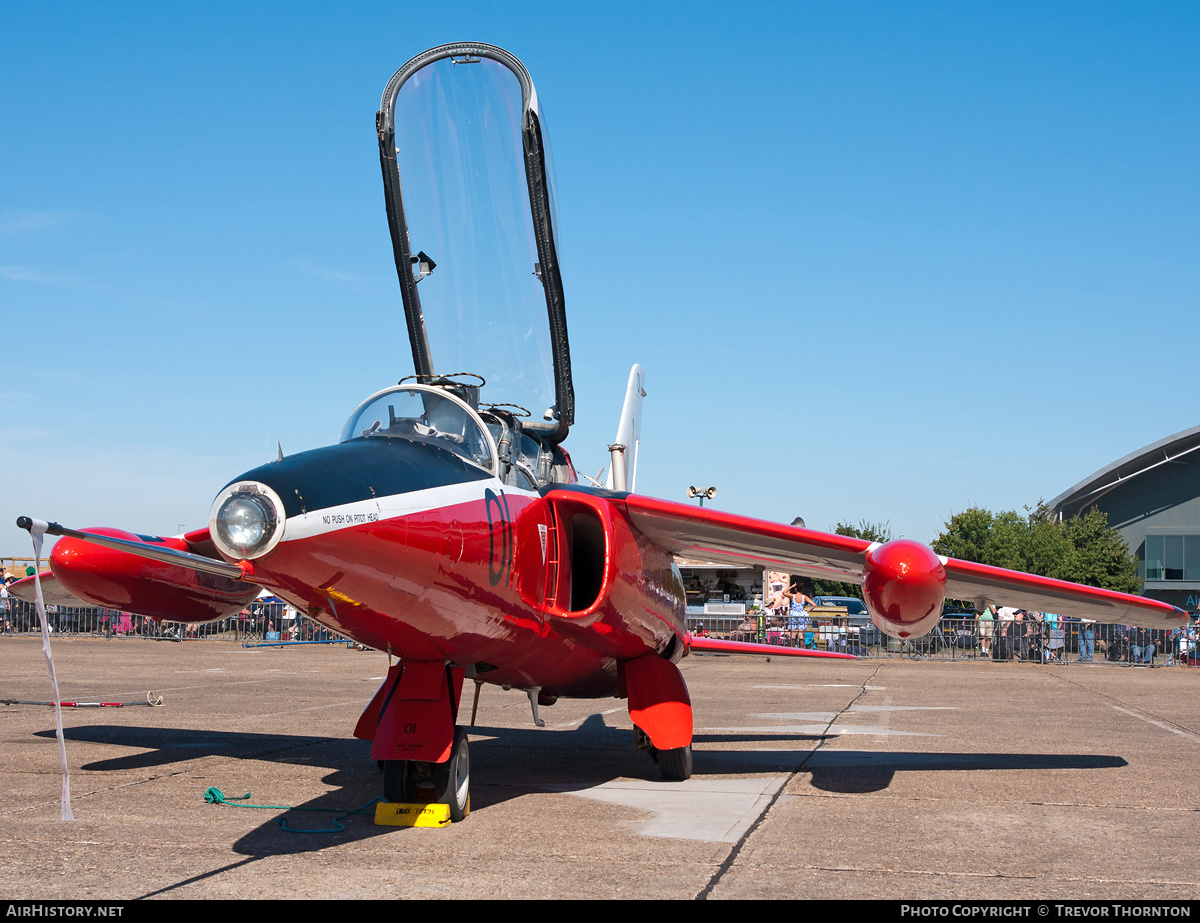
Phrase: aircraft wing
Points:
(179, 578)
(712, 535)
(968, 580)
(53, 592)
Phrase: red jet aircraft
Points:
(447, 526)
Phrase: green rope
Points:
(215, 796)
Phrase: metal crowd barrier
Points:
(965, 638)
(953, 639)
(267, 623)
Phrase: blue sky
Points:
(880, 261)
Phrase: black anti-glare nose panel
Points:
(361, 469)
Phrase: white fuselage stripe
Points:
(374, 509)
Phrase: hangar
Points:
(1152, 497)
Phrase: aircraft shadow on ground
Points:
(864, 771)
(508, 763)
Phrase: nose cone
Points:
(904, 586)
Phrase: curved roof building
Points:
(1152, 497)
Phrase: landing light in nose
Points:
(246, 520)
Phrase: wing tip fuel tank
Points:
(125, 580)
(904, 586)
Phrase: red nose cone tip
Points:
(904, 581)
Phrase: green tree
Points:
(871, 532)
(1048, 550)
(1083, 550)
(1007, 542)
(1100, 555)
(965, 535)
(1048, 547)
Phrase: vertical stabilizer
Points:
(622, 474)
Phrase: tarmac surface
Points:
(867, 779)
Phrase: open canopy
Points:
(470, 200)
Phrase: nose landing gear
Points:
(449, 783)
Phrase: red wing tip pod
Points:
(904, 586)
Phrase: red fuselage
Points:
(546, 589)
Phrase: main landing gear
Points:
(416, 781)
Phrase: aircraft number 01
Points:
(499, 521)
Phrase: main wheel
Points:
(453, 777)
(675, 765)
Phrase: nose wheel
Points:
(449, 783)
(675, 765)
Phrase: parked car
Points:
(859, 622)
(958, 626)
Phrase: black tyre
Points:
(453, 777)
(410, 781)
(397, 784)
(675, 765)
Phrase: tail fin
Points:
(622, 475)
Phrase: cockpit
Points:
(470, 197)
(448, 415)
(471, 208)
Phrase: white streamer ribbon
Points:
(39, 529)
